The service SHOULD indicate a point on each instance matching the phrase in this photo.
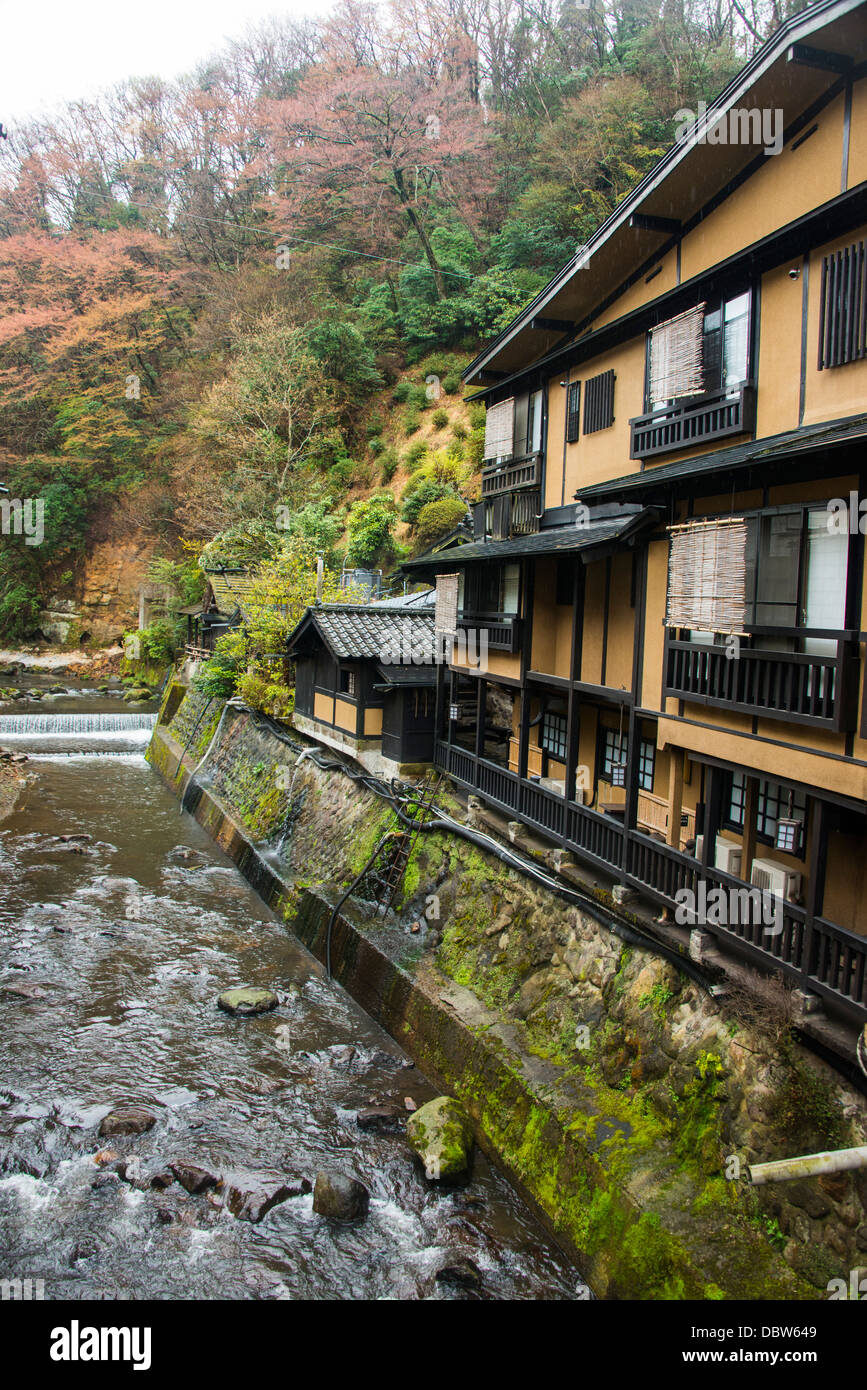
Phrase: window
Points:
(573, 412)
(615, 749)
(599, 402)
(781, 569)
(492, 589)
(706, 349)
(772, 802)
(348, 683)
(646, 759)
(513, 428)
(553, 738)
(843, 307)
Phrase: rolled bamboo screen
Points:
(707, 575)
(676, 356)
(446, 611)
(499, 429)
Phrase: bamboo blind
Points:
(707, 575)
(499, 429)
(446, 612)
(676, 356)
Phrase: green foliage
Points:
(388, 465)
(426, 492)
(451, 384)
(376, 445)
(415, 453)
(438, 518)
(411, 421)
(316, 523)
(440, 419)
(370, 526)
(158, 641)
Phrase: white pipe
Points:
(808, 1166)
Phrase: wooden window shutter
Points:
(843, 307)
(676, 356)
(573, 411)
(599, 402)
(446, 611)
(500, 429)
(707, 575)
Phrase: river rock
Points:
(460, 1273)
(340, 1198)
(193, 1178)
(250, 1196)
(23, 989)
(441, 1135)
(245, 1000)
(137, 693)
(127, 1119)
(381, 1119)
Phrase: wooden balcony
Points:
(697, 421)
(821, 955)
(797, 687)
(503, 629)
(514, 473)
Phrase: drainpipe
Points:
(809, 1166)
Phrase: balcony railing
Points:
(504, 631)
(800, 687)
(514, 473)
(713, 416)
(823, 956)
(513, 514)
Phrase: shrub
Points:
(426, 490)
(158, 641)
(451, 384)
(400, 394)
(376, 445)
(252, 689)
(440, 419)
(475, 449)
(415, 453)
(477, 415)
(411, 421)
(459, 430)
(388, 464)
(438, 518)
(369, 529)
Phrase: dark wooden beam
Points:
(807, 57)
(553, 325)
(645, 222)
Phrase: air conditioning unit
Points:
(728, 855)
(775, 878)
(699, 846)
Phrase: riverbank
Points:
(610, 1086)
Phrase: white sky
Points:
(56, 50)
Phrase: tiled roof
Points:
(367, 633)
(555, 541)
(232, 589)
(807, 439)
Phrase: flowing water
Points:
(113, 948)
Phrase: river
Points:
(113, 949)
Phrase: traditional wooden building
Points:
(365, 680)
(668, 559)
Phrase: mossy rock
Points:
(245, 1000)
(441, 1135)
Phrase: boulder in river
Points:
(441, 1135)
(126, 1119)
(460, 1273)
(381, 1119)
(250, 1196)
(193, 1178)
(340, 1198)
(245, 1000)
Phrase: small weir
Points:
(120, 923)
(95, 732)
